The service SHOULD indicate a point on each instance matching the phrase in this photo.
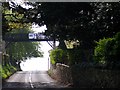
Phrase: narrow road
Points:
(30, 80)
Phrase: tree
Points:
(12, 23)
(12, 19)
(85, 22)
(20, 51)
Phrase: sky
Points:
(38, 64)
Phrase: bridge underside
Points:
(31, 40)
(25, 37)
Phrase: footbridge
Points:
(24, 37)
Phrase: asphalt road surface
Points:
(35, 80)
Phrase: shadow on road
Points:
(39, 89)
(36, 86)
(32, 81)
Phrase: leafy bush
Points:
(69, 57)
(6, 71)
(107, 51)
(102, 49)
(57, 55)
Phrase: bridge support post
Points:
(54, 44)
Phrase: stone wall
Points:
(95, 78)
(86, 77)
(61, 73)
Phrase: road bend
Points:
(30, 80)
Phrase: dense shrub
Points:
(69, 56)
(58, 56)
(6, 71)
(117, 46)
(103, 49)
(107, 52)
